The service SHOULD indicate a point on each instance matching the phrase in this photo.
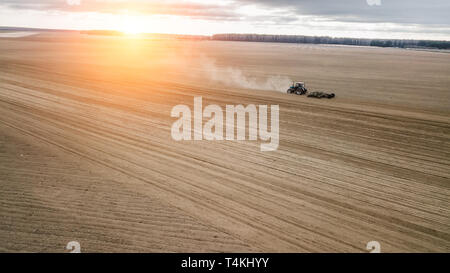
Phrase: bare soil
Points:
(86, 152)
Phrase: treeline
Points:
(331, 40)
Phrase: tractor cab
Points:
(298, 85)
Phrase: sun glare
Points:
(131, 31)
(131, 26)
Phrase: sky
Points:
(399, 19)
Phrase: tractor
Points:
(298, 88)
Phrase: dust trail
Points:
(232, 76)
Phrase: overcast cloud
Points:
(412, 16)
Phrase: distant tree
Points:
(330, 40)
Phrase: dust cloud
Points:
(233, 76)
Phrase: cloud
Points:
(389, 11)
(411, 15)
(147, 7)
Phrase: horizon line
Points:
(211, 35)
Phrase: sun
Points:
(131, 29)
(131, 26)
